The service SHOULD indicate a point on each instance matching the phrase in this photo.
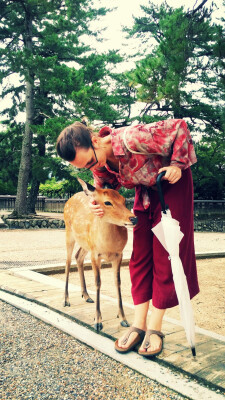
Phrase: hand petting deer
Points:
(104, 237)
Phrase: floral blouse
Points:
(142, 150)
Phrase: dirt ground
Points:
(208, 305)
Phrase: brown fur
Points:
(104, 237)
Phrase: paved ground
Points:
(43, 246)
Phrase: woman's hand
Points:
(173, 173)
(96, 208)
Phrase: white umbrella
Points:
(169, 234)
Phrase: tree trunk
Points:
(176, 104)
(32, 198)
(25, 162)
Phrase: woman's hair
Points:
(75, 135)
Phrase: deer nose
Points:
(134, 220)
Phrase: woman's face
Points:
(89, 158)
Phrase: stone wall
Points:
(209, 225)
(33, 223)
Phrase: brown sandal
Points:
(139, 339)
(147, 343)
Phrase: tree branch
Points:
(199, 7)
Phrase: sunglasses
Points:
(94, 163)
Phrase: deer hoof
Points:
(124, 323)
(67, 303)
(89, 300)
(98, 326)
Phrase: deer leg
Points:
(96, 265)
(116, 268)
(69, 249)
(80, 255)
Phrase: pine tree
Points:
(39, 38)
(10, 154)
(171, 78)
(182, 76)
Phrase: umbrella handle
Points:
(159, 187)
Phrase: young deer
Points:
(104, 237)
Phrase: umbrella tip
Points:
(193, 351)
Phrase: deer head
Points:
(112, 203)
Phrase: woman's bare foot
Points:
(155, 344)
(140, 316)
(154, 341)
(132, 337)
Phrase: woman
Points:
(133, 157)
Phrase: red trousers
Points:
(150, 268)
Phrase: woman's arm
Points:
(169, 138)
(183, 154)
(101, 178)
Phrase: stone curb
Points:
(58, 268)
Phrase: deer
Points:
(104, 237)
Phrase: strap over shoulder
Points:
(170, 138)
(146, 140)
(126, 144)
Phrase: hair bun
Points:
(84, 121)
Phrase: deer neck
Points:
(106, 226)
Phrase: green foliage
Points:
(127, 193)
(68, 75)
(10, 145)
(61, 189)
(182, 76)
(183, 57)
(53, 188)
(67, 187)
(69, 79)
(209, 172)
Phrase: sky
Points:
(126, 9)
(114, 38)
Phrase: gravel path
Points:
(40, 362)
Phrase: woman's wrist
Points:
(173, 173)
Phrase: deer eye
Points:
(107, 203)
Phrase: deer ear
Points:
(87, 187)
